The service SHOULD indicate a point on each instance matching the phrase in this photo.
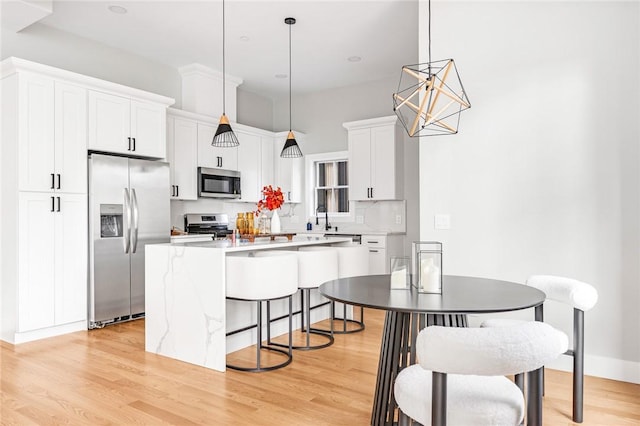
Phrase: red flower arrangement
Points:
(272, 200)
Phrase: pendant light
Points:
(224, 136)
(291, 148)
(443, 96)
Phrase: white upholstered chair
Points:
(581, 297)
(467, 366)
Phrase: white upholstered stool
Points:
(581, 297)
(314, 268)
(247, 280)
(353, 260)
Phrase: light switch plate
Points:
(442, 221)
(398, 219)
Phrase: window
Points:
(331, 188)
(327, 184)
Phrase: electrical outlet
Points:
(442, 221)
(398, 219)
(359, 219)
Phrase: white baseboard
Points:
(604, 367)
(43, 333)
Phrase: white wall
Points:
(46, 45)
(543, 177)
(254, 110)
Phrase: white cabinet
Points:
(211, 156)
(182, 154)
(52, 260)
(249, 166)
(255, 161)
(381, 249)
(52, 151)
(289, 172)
(375, 159)
(126, 126)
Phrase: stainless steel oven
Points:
(218, 183)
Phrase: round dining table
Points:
(408, 311)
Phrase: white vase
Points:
(275, 223)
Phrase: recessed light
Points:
(354, 59)
(244, 38)
(281, 76)
(117, 9)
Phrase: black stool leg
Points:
(578, 364)
(259, 331)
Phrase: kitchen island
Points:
(187, 315)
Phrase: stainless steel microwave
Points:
(218, 183)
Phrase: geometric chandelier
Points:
(430, 96)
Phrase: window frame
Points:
(311, 175)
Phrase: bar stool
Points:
(314, 268)
(247, 281)
(353, 260)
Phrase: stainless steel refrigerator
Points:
(128, 208)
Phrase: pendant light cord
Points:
(429, 30)
(290, 77)
(224, 101)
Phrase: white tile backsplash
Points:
(377, 216)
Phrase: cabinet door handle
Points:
(59, 180)
(58, 209)
(219, 161)
(371, 192)
(289, 195)
(177, 190)
(134, 143)
(129, 138)
(373, 251)
(173, 190)
(53, 204)
(372, 242)
(53, 181)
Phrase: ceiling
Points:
(384, 34)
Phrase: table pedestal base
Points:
(398, 350)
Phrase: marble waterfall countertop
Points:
(186, 316)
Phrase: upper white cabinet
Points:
(126, 126)
(249, 165)
(289, 172)
(182, 154)
(51, 134)
(255, 161)
(189, 137)
(211, 156)
(375, 159)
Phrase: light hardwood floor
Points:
(105, 377)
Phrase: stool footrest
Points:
(309, 348)
(268, 368)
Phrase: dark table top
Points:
(460, 295)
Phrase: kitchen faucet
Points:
(326, 218)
